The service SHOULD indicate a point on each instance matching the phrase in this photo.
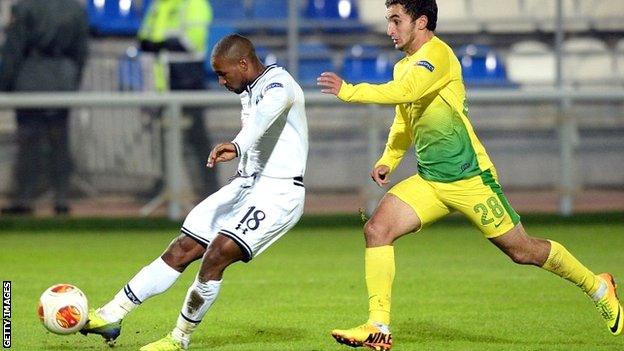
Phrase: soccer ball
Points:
(63, 309)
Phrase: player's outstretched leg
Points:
(555, 258)
(609, 305)
(200, 296)
(98, 325)
(374, 336)
(153, 279)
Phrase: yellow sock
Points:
(379, 266)
(562, 263)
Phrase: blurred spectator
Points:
(176, 31)
(45, 50)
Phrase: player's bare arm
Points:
(380, 175)
(329, 82)
(221, 153)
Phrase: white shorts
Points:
(252, 211)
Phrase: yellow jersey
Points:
(431, 113)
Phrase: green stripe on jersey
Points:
(488, 179)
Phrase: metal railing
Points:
(172, 102)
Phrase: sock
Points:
(199, 297)
(152, 280)
(379, 267)
(562, 263)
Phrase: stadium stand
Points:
(619, 59)
(603, 14)
(366, 63)
(116, 18)
(120, 152)
(512, 19)
(268, 56)
(517, 16)
(587, 61)
(228, 10)
(332, 16)
(370, 15)
(269, 9)
(314, 58)
(531, 63)
(453, 18)
(482, 66)
(215, 34)
(543, 13)
(331, 9)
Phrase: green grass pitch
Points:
(453, 290)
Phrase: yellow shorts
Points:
(479, 198)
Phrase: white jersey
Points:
(273, 141)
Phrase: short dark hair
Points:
(417, 8)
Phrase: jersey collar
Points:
(267, 69)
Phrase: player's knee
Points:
(214, 263)
(523, 256)
(375, 233)
(181, 253)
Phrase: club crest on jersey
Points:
(425, 64)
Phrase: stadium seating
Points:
(116, 17)
(372, 14)
(619, 59)
(225, 11)
(215, 33)
(470, 16)
(531, 63)
(268, 16)
(512, 19)
(269, 9)
(544, 12)
(268, 56)
(332, 16)
(453, 17)
(364, 63)
(314, 58)
(482, 67)
(331, 9)
(603, 14)
(587, 61)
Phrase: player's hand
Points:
(221, 153)
(380, 175)
(329, 82)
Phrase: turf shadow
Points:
(426, 331)
(248, 334)
(422, 332)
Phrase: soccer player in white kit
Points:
(243, 218)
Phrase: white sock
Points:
(153, 279)
(199, 298)
(599, 294)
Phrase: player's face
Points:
(230, 73)
(401, 28)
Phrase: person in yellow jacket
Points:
(455, 173)
(176, 32)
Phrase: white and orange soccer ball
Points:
(63, 309)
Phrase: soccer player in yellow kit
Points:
(454, 173)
